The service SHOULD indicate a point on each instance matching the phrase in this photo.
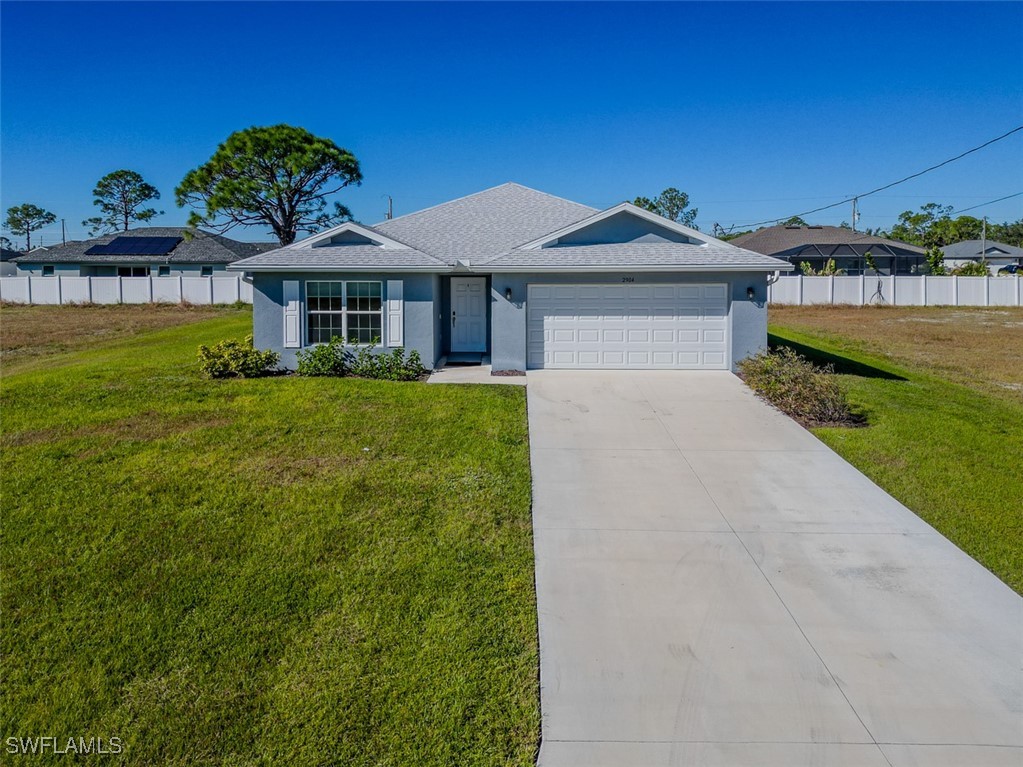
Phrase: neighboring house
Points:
(160, 251)
(523, 278)
(7, 266)
(997, 254)
(817, 244)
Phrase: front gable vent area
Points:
(622, 228)
(348, 238)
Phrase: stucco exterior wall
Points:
(748, 319)
(421, 298)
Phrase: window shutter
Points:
(292, 315)
(395, 313)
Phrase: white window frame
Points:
(344, 312)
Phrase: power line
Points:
(989, 202)
(886, 186)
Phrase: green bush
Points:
(329, 359)
(236, 359)
(395, 366)
(334, 359)
(795, 386)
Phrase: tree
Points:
(1009, 232)
(794, 221)
(915, 228)
(972, 269)
(120, 196)
(672, 204)
(22, 220)
(277, 176)
(936, 260)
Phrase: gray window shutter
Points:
(292, 315)
(395, 313)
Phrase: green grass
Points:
(283, 570)
(949, 452)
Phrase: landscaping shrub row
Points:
(240, 359)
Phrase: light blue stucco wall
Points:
(421, 301)
(748, 319)
(110, 270)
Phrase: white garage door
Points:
(627, 326)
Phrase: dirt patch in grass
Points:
(978, 347)
(28, 332)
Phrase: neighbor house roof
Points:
(972, 249)
(511, 228)
(195, 246)
(6, 254)
(783, 241)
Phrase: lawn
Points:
(281, 570)
(941, 389)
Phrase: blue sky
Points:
(757, 110)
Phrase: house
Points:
(7, 266)
(818, 244)
(160, 251)
(523, 278)
(996, 254)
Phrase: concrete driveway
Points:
(717, 587)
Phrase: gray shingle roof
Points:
(636, 254)
(342, 256)
(196, 247)
(487, 223)
(487, 230)
(781, 240)
(971, 249)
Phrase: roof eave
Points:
(239, 266)
(781, 267)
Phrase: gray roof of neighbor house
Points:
(505, 228)
(195, 247)
(972, 249)
(6, 254)
(781, 241)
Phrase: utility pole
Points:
(983, 239)
(855, 213)
(63, 233)
(390, 207)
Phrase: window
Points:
(351, 310)
(47, 270)
(206, 271)
(133, 271)
(163, 271)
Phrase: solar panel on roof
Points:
(135, 246)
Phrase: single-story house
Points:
(7, 266)
(160, 251)
(818, 244)
(997, 254)
(522, 278)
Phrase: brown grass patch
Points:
(32, 331)
(979, 347)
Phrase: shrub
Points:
(972, 269)
(329, 359)
(795, 386)
(395, 366)
(334, 359)
(233, 358)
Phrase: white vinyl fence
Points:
(126, 290)
(907, 290)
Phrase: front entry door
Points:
(468, 314)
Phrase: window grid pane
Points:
(352, 310)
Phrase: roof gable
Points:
(484, 224)
(350, 233)
(622, 223)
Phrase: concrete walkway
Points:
(717, 587)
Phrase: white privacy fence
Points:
(907, 290)
(126, 290)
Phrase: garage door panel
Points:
(631, 326)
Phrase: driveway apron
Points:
(717, 587)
